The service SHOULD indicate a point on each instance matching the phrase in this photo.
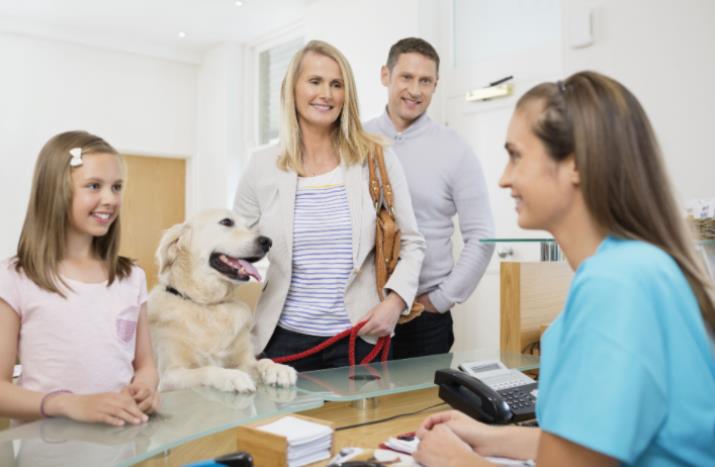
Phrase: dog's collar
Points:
(172, 290)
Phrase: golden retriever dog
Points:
(201, 330)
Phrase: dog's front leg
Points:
(223, 379)
(276, 374)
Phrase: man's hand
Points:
(427, 303)
(382, 319)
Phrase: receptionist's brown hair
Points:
(600, 123)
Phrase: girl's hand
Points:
(382, 319)
(477, 435)
(441, 446)
(144, 394)
(112, 408)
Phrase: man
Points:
(445, 179)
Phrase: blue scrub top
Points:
(627, 368)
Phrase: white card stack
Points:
(307, 441)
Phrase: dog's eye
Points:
(227, 222)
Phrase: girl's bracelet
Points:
(48, 396)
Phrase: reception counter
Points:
(195, 424)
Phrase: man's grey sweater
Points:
(445, 179)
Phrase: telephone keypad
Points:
(520, 400)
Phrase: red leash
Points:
(383, 344)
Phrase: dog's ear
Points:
(172, 242)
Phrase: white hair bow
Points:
(76, 160)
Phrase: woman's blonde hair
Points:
(44, 233)
(349, 139)
(623, 179)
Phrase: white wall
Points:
(664, 52)
(139, 105)
(215, 170)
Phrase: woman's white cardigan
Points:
(265, 199)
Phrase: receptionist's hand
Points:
(476, 435)
(440, 446)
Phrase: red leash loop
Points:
(382, 344)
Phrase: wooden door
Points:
(154, 200)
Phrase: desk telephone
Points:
(488, 391)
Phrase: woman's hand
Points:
(486, 440)
(382, 319)
(478, 436)
(112, 408)
(441, 446)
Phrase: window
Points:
(272, 65)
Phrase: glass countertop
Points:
(395, 376)
(184, 416)
(187, 415)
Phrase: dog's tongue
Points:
(249, 269)
(244, 267)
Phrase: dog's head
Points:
(209, 253)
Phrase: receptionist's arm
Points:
(486, 440)
(454, 439)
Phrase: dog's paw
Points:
(275, 374)
(225, 379)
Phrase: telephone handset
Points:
(495, 400)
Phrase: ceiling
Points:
(151, 27)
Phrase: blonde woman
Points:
(313, 201)
(628, 367)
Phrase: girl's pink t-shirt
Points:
(83, 343)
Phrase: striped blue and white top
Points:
(322, 257)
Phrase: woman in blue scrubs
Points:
(628, 367)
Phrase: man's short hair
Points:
(411, 45)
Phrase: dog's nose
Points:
(265, 242)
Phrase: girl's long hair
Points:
(349, 138)
(623, 178)
(44, 232)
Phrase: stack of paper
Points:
(307, 441)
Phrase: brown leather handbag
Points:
(387, 232)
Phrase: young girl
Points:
(628, 367)
(71, 309)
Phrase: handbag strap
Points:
(376, 163)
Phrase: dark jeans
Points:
(284, 342)
(429, 334)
